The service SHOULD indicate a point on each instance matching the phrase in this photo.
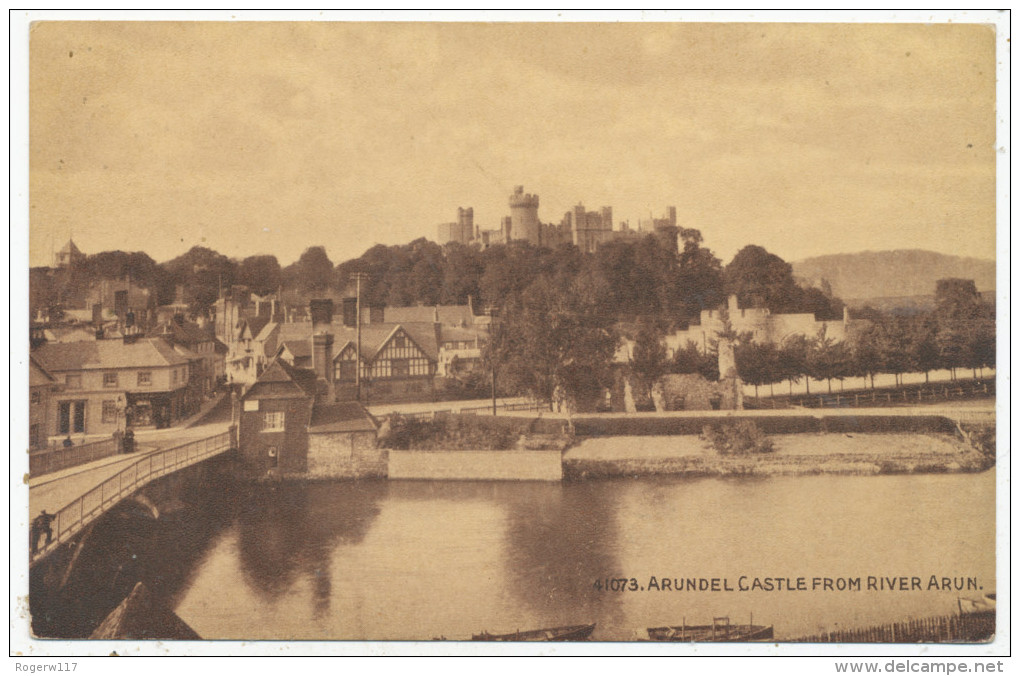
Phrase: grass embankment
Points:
(476, 433)
(790, 454)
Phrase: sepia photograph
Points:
(638, 332)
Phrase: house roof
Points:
(448, 333)
(141, 616)
(106, 354)
(448, 315)
(37, 375)
(71, 248)
(373, 336)
(264, 334)
(280, 372)
(298, 348)
(348, 416)
(187, 333)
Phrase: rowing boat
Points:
(576, 632)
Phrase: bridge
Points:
(95, 491)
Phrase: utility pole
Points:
(492, 352)
(357, 357)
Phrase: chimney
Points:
(321, 311)
(120, 302)
(322, 356)
(733, 305)
(350, 312)
(376, 314)
(97, 315)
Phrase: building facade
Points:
(108, 384)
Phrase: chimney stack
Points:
(321, 311)
(350, 312)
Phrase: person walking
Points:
(40, 525)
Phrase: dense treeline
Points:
(649, 278)
(560, 312)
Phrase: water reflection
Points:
(559, 539)
(287, 530)
(417, 560)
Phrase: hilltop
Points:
(884, 274)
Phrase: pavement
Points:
(56, 490)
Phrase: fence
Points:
(431, 415)
(967, 628)
(74, 517)
(56, 459)
(871, 398)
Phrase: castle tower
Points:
(607, 218)
(524, 222)
(466, 221)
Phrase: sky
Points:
(254, 138)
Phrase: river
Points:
(418, 560)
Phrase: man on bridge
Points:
(40, 525)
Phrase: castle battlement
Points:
(523, 199)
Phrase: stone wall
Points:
(338, 455)
(476, 465)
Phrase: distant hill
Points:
(892, 274)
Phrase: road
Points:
(54, 491)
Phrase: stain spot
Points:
(970, 145)
(70, 55)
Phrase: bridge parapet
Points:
(73, 518)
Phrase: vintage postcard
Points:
(662, 335)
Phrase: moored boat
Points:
(576, 632)
(720, 631)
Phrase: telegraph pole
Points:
(357, 357)
(492, 352)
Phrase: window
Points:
(344, 372)
(73, 382)
(173, 377)
(109, 411)
(401, 368)
(70, 417)
(35, 397)
(34, 435)
(272, 421)
(109, 380)
(144, 378)
(400, 341)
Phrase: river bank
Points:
(793, 454)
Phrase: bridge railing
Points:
(55, 459)
(70, 520)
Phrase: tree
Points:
(261, 274)
(648, 361)
(311, 273)
(691, 359)
(760, 279)
(555, 344)
(202, 273)
(757, 363)
(793, 356)
(865, 350)
(924, 346)
(699, 278)
(957, 315)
